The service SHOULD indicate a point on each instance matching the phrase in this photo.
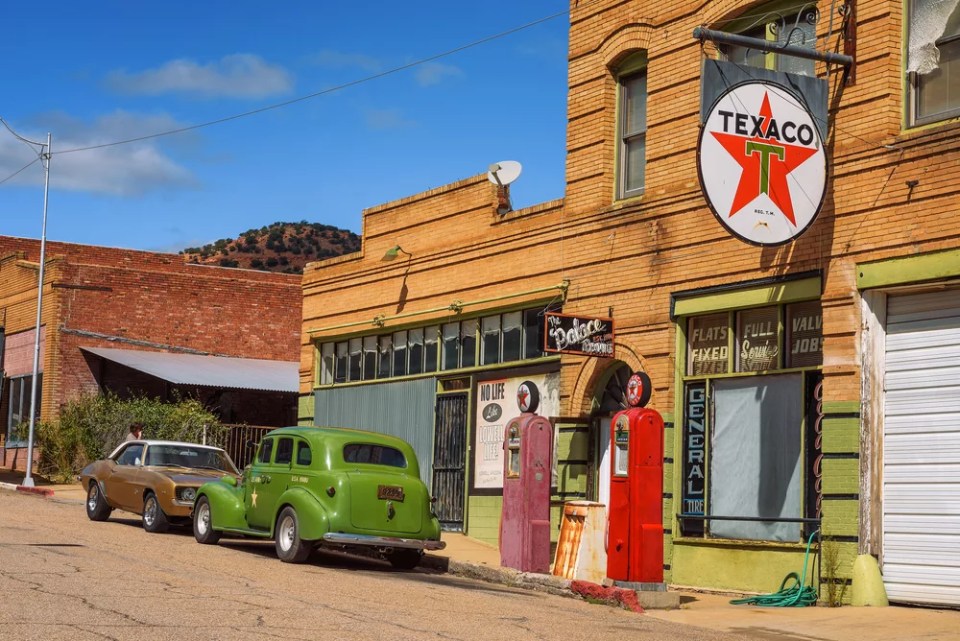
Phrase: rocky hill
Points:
(280, 247)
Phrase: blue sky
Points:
(100, 72)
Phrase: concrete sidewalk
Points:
(469, 557)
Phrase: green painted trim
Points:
(841, 476)
(787, 292)
(909, 269)
(841, 435)
(841, 518)
(841, 407)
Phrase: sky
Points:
(96, 73)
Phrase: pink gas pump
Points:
(635, 515)
(527, 475)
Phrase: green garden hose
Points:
(797, 595)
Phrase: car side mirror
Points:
(250, 444)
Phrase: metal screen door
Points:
(449, 460)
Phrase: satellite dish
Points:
(504, 172)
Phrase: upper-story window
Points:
(933, 60)
(780, 23)
(632, 118)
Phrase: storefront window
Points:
(746, 455)
(415, 349)
(369, 357)
(451, 345)
(399, 353)
(18, 406)
(468, 343)
(491, 340)
(490, 337)
(512, 336)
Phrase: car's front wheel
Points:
(203, 530)
(405, 559)
(154, 520)
(290, 547)
(97, 508)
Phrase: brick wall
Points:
(107, 297)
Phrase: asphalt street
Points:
(65, 577)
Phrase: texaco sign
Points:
(761, 162)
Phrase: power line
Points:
(322, 92)
(32, 162)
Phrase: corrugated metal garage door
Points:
(921, 449)
(401, 408)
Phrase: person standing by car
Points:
(136, 432)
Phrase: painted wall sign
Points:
(762, 166)
(758, 344)
(707, 345)
(579, 335)
(805, 334)
(497, 405)
(695, 447)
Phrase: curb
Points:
(39, 491)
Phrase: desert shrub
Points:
(90, 427)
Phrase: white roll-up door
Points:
(921, 449)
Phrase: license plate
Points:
(390, 492)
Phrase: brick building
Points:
(809, 383)
(144, 323)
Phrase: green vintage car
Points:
(312, 486)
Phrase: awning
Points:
(208, 371)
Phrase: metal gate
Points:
(449, 460)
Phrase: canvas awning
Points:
(208, 371)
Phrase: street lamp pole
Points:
(45, 155)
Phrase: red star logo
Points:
(766, 164)
(522, 395)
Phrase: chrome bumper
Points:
(340, 538)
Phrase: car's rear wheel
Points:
(97, 508)
(405, 559)
(154, 520)
(203, 530)
(290, 547)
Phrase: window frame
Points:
(756, 23)
(634, 67)
(688, 382)
(912, 80)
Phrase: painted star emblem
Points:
(766, 163)
(523, 394)
(253, 498)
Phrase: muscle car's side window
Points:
(266, 449)
(376, 454)
(131, 455)
(303, 454)
(284, 450)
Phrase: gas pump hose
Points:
(797, 595)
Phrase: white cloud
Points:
(340, 60)
(433, 73)
(236, 76)
(386, 119)
(123, 170)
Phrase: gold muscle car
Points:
(158, 479)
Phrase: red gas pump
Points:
(527, 475)
(635, 534)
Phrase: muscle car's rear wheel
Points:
(405, 559)
(154, 520)
(203, 530)
(97, 508)
(290, 547)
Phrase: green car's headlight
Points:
(187, 494)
